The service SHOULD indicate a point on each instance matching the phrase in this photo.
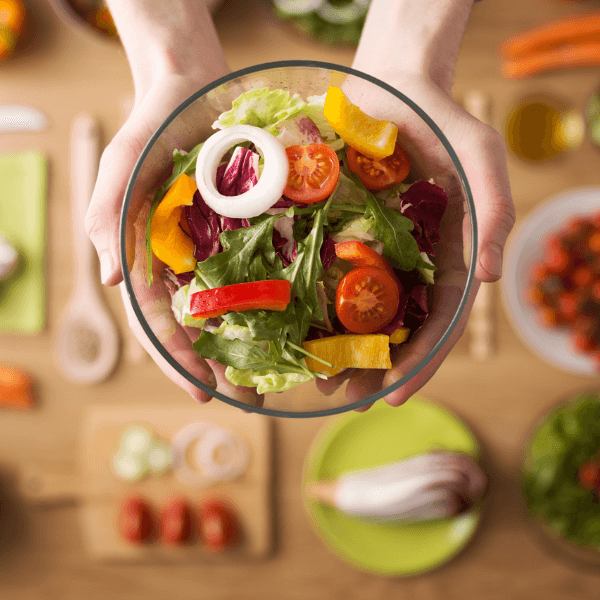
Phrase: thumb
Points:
(485, 166)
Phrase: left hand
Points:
(481, 151)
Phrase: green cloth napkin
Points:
(23, 222)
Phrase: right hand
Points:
(102, 226)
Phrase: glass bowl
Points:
(431, 157)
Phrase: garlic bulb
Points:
(9, 257)
(424, 487)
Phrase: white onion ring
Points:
(211, 437)
(270, 185)
(214, 439)
(180, 442)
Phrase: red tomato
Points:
(360, 255)
(593, 242)
(219, 526)
(366, 300)
(136, 524)
(582, 276)
(177, 523)
(557, 257)
(379, 174)
(589, 474)
(314, 172)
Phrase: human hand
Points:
(481, 151)
(164, 76)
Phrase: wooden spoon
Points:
(88, 345)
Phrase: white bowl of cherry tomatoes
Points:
(551, 284)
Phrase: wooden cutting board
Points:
(101, 493)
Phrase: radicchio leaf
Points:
(298, 131)
(203, 223)
(327, 252)
(283, 239)
(424, 204)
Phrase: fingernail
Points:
(391, 377)
(106, 266)
(211, 381)
(491, 260)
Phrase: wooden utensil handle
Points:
(481, 321)
(49, 484)
(84, 169)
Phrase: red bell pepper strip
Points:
(272, 294)
(360, 255)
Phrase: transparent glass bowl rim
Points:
(249, 71)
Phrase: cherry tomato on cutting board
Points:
(314, 172)
(367, 299)
(177, 523)
(219, 528)
(136, 524)
(379, 174)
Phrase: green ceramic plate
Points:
(381, 435)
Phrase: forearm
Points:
(162, 38)
(415, 36)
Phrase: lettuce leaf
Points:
(267, 381)
(180, 303)
(264, 108)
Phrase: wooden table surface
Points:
(41, 551)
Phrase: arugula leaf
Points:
(240, 355)
(182, 163)
(393, 229)
(241, 245)
(307, 267)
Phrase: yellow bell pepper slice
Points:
(400, 335)
(169, 243)
(371, 137)
(369, 351)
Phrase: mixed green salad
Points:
(295, 241)
(561, 478)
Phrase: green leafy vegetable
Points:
(241, 248)
(307, 267)
(393, 229)
(240, 355)
(266, 381)
(569, 436)
(263, 107)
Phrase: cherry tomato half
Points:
(136, 524)
(366, 300)
(177, 523)
(314, 172)
(379, 174)
(219, 526)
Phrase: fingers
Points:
(445, 302)
(364, 383)
(104, 212)
(482, 152)
(331, 384)
(175, 341)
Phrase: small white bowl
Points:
(524, 250)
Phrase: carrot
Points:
(582, 55)
(16, 388)
(581, 29)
